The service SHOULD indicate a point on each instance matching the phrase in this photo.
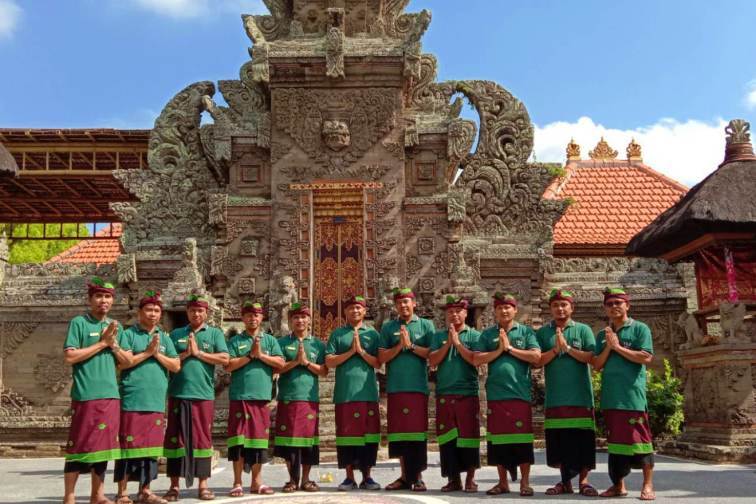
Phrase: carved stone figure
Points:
(693, 334)
(732, 320)
(336, 134)
(284, 296)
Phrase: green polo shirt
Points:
(455, 375)
(355, 378)
(623, 383)
(196, 379)
(144, 386)
(300, 384)
(508, 376)
(254, 380)
(94, 378)
(407, 372)
(568, 381)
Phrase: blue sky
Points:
(669, 73)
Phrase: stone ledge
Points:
(712, 453)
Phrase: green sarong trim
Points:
(173, 453)
(509, 438)
(350, 441)
(407, 436)
(245, 442)
(94, 457)
(468, 442)
(202, 452)
(297, 442)
(373, 438)
(630, 449)
(152, 452)
(448, 436)
(569, 423)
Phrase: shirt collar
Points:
(189, 328)
(91, 318)
(413, 318)
(515, 325)
(570, 323)
(627, 323)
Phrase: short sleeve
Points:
(125, 340)
(531, 341)
(644, 340)
(387, 336)
(219, 342)
(332, 347)
(600, 342)
(321, 353)
(375, 344)
(427, 335)
(73, 338)
(272, 346)
(437, 340)
(589, 341)
(170, 348)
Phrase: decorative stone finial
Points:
(634, 151)
(603, 151)
(573, 151)
(738, 146)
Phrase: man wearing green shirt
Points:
(255, 356)
(405, 346)
(623, 350)
(144, 383)
(509, 348)
(353, 351)
(297, 416)
(566, 352)
(457, 405)
(93, 346)
(191, 400)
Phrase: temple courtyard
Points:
(676, 480)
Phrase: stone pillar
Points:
(720, 410)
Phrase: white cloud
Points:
(198, 8)
(10, 15)
(750, 97)
(684, 151)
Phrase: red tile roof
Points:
(104, 251)
(613, 200)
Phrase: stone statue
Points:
(279, 304)
(386, 303)
(694, 337)
(336, 134)
(732, 320)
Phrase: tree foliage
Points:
(39, 251)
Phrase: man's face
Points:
(616, 308)
(456, 316)
(561, 309)
(505, 313)
(149, 315)
(405, 307)
(101, 302)
(196, 315)
(355, 313)
(252, 321)
(300, 323)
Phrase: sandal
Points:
(560, 488)
(452, 486)
(149, 498)
(310, 486)
(526, 491)
(419, 486)
(399, 484)
(172, 495)
(647, 496)
(588, 490)
(289, 487)
(123, 499)
(497, 490)
(206, 494)
(263, 490)
(471, 487)
(612, 492)
(237, 491)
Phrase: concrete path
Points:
(679, 481)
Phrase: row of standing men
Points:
(127, 420)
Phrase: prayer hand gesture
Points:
(109, 334)
(612, 340)
(504, 340)
(154, 346)
(561, 340)
(256, 349)
(454, 336)
(356, 343)
(404, 337)
(302, 356)
(192, 347)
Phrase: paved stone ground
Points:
(677, 480)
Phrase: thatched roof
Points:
(8, 165)
(723, 202)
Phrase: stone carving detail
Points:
(173, 192)
(336, 135)
(246, 286)
(603, 151)
(385, 303)
(51, 372)
(457, 204)
(634, 151)
(12, 334)
(461, 138)
(573, 151)
(369, 115)
(218, 210)
(738, 131)
(285, 295)
(694, 337)
(426, 246)
(13, 404)
(127, 268)
(732, 320)
(188, 278)
(249, 247)
(335, 44)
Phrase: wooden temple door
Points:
(338, 254)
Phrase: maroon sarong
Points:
(509, 422)
(248, 424)
(142, 434)
(407, 416)
(357, 423)
(297, 424)
(628, 432)
(202, 425)
(458, 418)
(93, 436)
